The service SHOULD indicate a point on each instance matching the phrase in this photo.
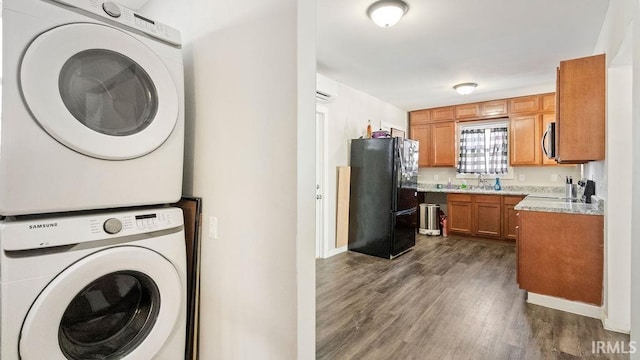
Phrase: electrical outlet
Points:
(435, 177)
(213, 227)
(554, 178)
(521, 177)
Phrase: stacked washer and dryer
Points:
(92, 261)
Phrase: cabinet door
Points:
(422, 133)
(459, 214)
(549, 102)
(442, 114)
(525, 140)
(561, 255)
(494, 108)
(467, 111)
(419, 117)
(443, 144)
(546, 119)
(580, 128)
(509, 217)
(525, 104)
(487, 213)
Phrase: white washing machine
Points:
(92, 108)
(94, 286)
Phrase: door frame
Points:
(322, 231)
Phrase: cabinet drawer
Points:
(488, 199)
(459, 197)
(512, 200)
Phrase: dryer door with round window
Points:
(104, 94)
(108, 305)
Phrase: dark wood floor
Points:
(448, 298)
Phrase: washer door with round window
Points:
(99, 91)
(118, 303)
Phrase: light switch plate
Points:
(435, 177)
(521, 177)
(554, 177)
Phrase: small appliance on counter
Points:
(589, 190)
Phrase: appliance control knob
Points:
(112, 9)
(112, 226)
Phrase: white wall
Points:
(614, 175)
(533, 175)
(248, 131)
(347, 119)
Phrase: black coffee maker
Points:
(589, 190)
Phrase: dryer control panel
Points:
(40, 232)
(120, 14)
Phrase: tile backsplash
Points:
(530, 175)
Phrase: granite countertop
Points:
(539, 198)
(560, 205)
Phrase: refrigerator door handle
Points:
(406, 212)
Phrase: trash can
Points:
(429, 219)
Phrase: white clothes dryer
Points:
(94, 286)
(92, 108)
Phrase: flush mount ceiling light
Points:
(386, 13)
(465, 88)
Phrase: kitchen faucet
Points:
(481, 181)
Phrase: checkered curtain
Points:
(497, 151)
(472, 152)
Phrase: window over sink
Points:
(483, 149)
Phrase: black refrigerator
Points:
(383, 204)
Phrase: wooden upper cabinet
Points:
(419, 117)
(525, 140)
(467, 111)
(525, 104)
(443, 144)
(549, 102)
(494, 108)
(442, 114)
(422, 133)
(580, 120)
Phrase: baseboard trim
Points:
(617, 327)
(336, 251)
(573, 307)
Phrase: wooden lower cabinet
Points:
(487, 217)
(561, 255)
(481, 215)
(509, 216)
(459, 217)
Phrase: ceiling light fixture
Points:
(386, 13)
(465, 88)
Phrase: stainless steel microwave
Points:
(549, 141)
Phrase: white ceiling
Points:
(509, 47)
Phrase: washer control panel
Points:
(38, 232)
(120, 14)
